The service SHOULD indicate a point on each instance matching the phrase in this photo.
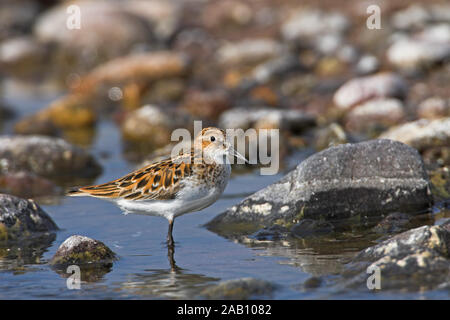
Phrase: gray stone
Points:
(22, 219)
(347, 181)
(417, 259)
(45, 156)
(82, 250)
(239, 289)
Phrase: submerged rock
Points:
(239, 289)
(82, 250)
(45, 156)
(417, 259)
(358, 90)
(351, 181)
(21, 219)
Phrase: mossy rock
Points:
(81, 250)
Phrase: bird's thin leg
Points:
(170, 241)
(170, 253)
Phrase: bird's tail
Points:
(75, 192)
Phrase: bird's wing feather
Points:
(158, 181)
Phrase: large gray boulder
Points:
(347, 181)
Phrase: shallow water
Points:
(202, 257)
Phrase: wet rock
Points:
(310, 23)
(207, 105)
(239, 289)
(82, 250)
(309, 228)
(417, 259)
(421, 134)
(426, 49)
(375, 115)
(21, 219)
(358, 90)
(91, 42)
(245, 118)
(153, 126)
(45, 156)
(434, 108)
(27, 185)
(247, 52)
(330, 136)
(344, 183)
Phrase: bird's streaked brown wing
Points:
(158, 181)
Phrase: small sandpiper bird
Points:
(170, 188)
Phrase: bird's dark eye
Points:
(213, 139)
